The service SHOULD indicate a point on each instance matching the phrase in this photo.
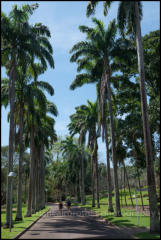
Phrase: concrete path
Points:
(74, 226)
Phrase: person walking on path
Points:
(60, 207)
(68, 204)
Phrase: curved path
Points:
(76, 224)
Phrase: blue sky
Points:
(63, 19)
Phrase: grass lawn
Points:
(129, 216)
(146, 235)
(19, 226)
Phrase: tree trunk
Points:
(128, 185)
(19, 195)
(80, 183)
(116, 186)
(83, 187)
(31, 180)
(78, 192)
(140, 188)
(92, 181)
(96, 171)
(37, 159)
(124, 188)
(34, 172)
(42, 177)
(154, 217)
(121, 188)
(26, 178)
(109, 184)
(12, 75)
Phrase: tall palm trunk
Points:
(34, 172)
(19, 194)
(92, 179)
(80, 183)
(116, 186)
(31, 180)
(140, 188)
(83, 187)
(121, 188)
(26, 179)
(154, 217)
(37, 159)
(96, 171)
(125, 187)
(42, 177)
(128, 185)
(12, 75)
(109, 184)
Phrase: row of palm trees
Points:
(26, 52)
(99, 56)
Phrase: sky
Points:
(63, 18)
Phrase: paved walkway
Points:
(74, 226)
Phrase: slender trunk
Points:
(116, 186)
(83, 187)
(37, 159)
(19, 194)
(128, 185)
(154, 217)
(78, 192)
(121, 187)
(80, 183)
(96, 171)
(140, 188)
(34, 172)
(92, 180)
(12, 75)
(109, 183)
(42, 185)
(31, 180)
(124, 187)
(25, 188)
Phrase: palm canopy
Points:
(99, 45)
(23, 41)
(125, 15)
(83, 120)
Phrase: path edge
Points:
(21, 233)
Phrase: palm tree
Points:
(94, 75)
(74, 128)
(38, 107)
(129, 17)
(99, 48)
(47, 136)
(72, 153)
(13, 39)
(85, 119)
(19, 39)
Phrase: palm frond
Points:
(80, 80)
(106, 6)
(51, 108)
(91, 8)
(80, 45)
(111, 33)
(45, 86)
(100, 26)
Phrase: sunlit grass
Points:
(130, 218)
(18, 226)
